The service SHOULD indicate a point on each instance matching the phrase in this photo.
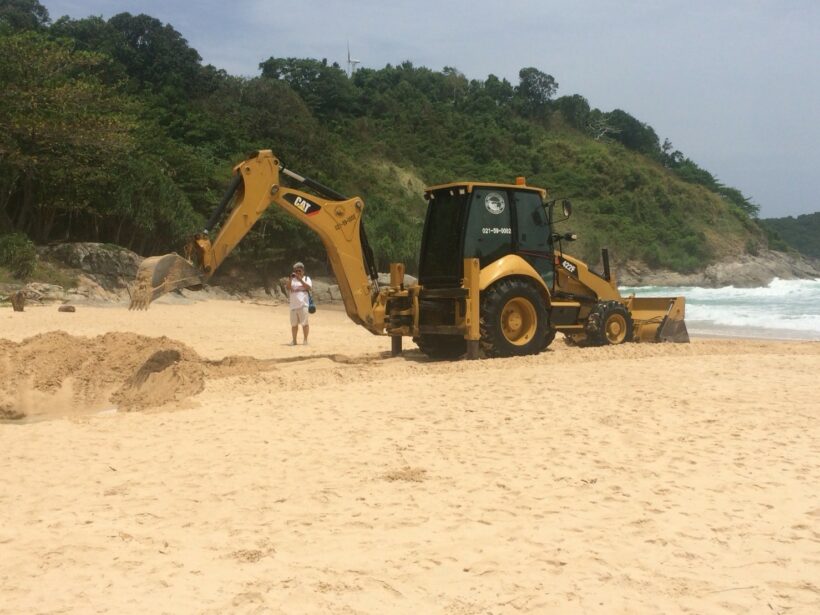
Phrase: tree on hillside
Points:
(324, 87)
(633, 133)
(21, 15)
(97, 35)
(599, 127)
(59, 125)
(574, 109)
(801, 232)
(500, 91)
(157, 56)
(273, 116)
(154, 62)
(689, 171)
(74, 158)
(535, 90)
(670, 157)
(736, 197)
(454, 81)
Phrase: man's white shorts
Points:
(299, 316)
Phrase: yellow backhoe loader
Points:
(493, 276)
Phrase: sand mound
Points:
(56, 374)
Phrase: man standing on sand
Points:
(299, 286)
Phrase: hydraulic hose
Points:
(226, 198)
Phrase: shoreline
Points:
(701, 330)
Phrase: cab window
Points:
(532, 232)
(531, 223)
(440, 261)
(489, 226)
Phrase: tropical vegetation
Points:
(114, 131)
(799, 232)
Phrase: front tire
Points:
(609, 324)
(514, 319)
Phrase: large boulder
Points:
(43, 293)
(112, 267)
(321, 290)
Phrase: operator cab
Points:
(484, 221)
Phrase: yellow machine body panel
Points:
(511, 265)
(573, 276)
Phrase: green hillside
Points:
(114, 131)
(801, 233)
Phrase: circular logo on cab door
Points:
(494, 202)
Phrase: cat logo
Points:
(306, 206)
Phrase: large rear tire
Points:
(514, 319)
(442, 346)
(609, 324)
(549, 338)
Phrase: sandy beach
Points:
(187, 460)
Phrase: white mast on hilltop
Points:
(351, 63)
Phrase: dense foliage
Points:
(801, 233)
(113, 130)
(17, 254)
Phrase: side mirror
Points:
(566, 207)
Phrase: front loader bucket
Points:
(673, 331)
(158, 275)
(658, 319)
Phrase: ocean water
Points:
(785, 309)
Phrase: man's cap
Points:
(298, 265)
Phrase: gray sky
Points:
(734, 84)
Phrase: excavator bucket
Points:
(658, 319)
(158, 275)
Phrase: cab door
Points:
(489, 234)
(533, 239)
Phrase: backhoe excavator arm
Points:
(256, 185)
